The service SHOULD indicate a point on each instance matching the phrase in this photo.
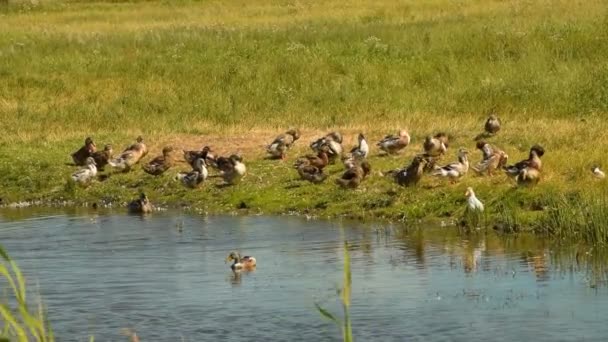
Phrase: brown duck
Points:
(160, 164)
(102, 157)
(80, 157)
(354, 175)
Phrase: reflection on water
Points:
(165, 276)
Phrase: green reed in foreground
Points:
(20, 323)
(345, 323)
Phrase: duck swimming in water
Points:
(141, 205)
(241, 263)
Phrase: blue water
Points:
(164, 276)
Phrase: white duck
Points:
(473, 203)
(362, 150)
(455, 170)
(86, 174)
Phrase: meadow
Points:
(235, 74)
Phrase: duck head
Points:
(140, 139)
(90, 161)
(233, 257)
(295, 133)
(469, 192)
(540, 151)
(167, 150)
(143, 198)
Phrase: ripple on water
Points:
(99, 273)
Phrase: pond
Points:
(165, 276)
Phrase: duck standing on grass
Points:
(333, 141)
(320, 160)
(279, 146)
(493, 158)
(86, 174)
(411, 174)
(191, 156)
(527, 171)
(311, 173)
(141, 205)
(435, 146)
(362, 149)
(195, 177)
(492, 125)
(102, 157)
(473, 203)
(130, 156)
(160, 164)
(393, 144)
(80, 157)
(455, 170)
(246, 263)
(598, 173)
(232, 169)
(354, 175)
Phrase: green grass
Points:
(240, 72)
(18, 321)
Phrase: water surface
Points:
(165, 276)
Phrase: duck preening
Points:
(232, 169)
(130, 156)
(160, 164)
(333, 141)
(241, 263)
(393, 144)
(527, 171)
(279, 146)
(87, 174)
(195, 177)
(493, 158)
(455, 170)
(140, 205)
(319, 160)
(80, 157)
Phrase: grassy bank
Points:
(234, 74)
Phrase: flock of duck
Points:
(311, 167)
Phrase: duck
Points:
(86, 174)
(598, 173)
(362, 149)
(232, 169)
(437, 145)
(492, 158)
(393, 144)
(311, 173)
(354, 175)
(102, 157)
(455, 170)
(141, 205)
(473, 203)
(80, 157)
(320, 160)
(160, 164)
(279, 146)
(333, 140)
(130, 156)
(411, 174)
(195, 177)
(528, 176)
(533, 161)
(492, 125)
(191, 156)
(241, 263)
